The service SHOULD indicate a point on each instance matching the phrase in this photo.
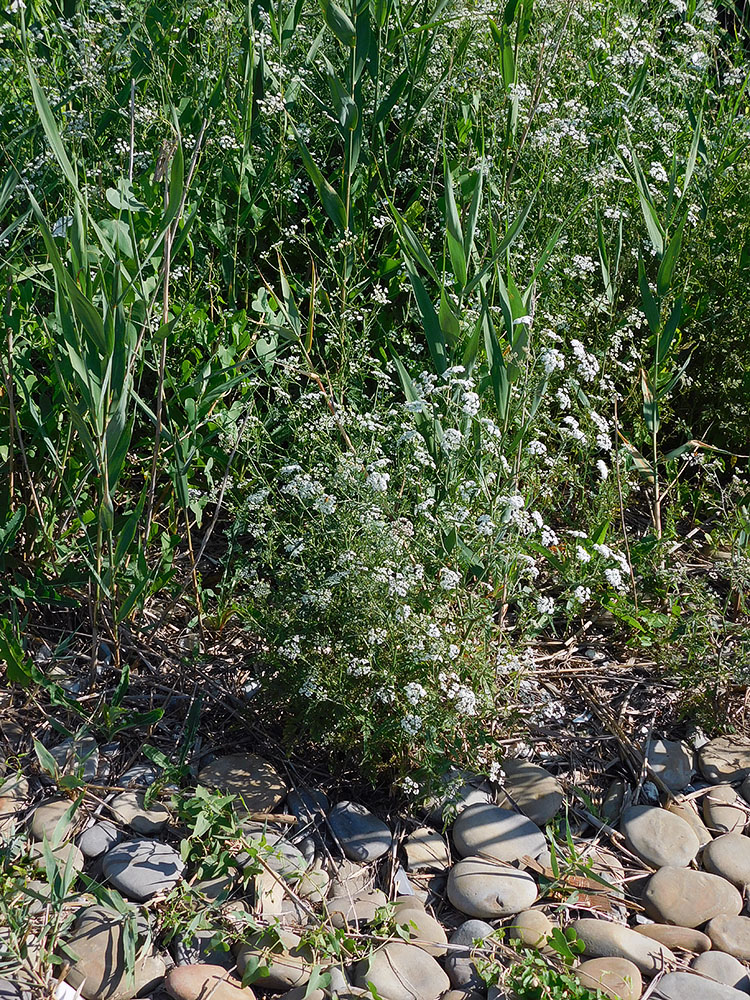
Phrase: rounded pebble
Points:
(481, 888)
(617, 978)
(659, 837)
(493, 832)
(723, 969)
(141, 868)
(689, 898)
(402, 972)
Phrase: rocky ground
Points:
(654, 886)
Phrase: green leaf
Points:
(693, 155)
(650, 305)
(430, 322)
(650, 403)
(46, 761)
(332, 203)
(122, 197)
(10, 529)
(19, 669)
(454, 233)
(667, 265)
(339, 22)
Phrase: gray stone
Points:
(724, 811)
(349, 879)
(99, 969)
(139, 775)
(65, 854)
(532, 789)
(402, 972)
(672, 761)
(79, 757)
(276, 851)
(426, 849)
(258, 785)
(129, 809)
(141, 868)
(659, 837)
(531, 928)
(313, 884)
(424, 931)
(308, 804)
(288, 964)
(687, 811)
(730, 934)
(98, 839)
(729, 856)
(8, 991)
(199, 949)
(461, 790)
(605, 939)
(613, 800)
(46, 817)
(687, 986)
(482, 888)
(194, 982)
(458, 964)
(363, 837)
(723, 969)
(359, 910)
(671, 936)
(489, 831)
(616, 978)
(689, 898)
(725, 759)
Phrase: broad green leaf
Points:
(693, 155)
(650, 305)
(430, 322)
(667, 265)
(650, 403)
(454, 233)
(10, 529)
(332, 203)
(123, 198)
(339, 22)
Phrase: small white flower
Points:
(411, 724)
(470, 404)
(452, 440)
(377, 481)
(549, 537)
(414, 693)
(484, 525)
(449, 579)
(614, 578)
(545, 605)
(410, 787)
(552, 360)
(537, 448)
(582, 555)
(602, 469)
(582, 594)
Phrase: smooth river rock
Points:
(605, 939)
(730, 934)
(129, 809)
(530, 928)
(659, 837)
(402, 972)
(687, 986)
(461, 970)
(141, 868)
(726, 758)
(363, 837)
(672, 936)
(687, 811)
(482, 888)
(724, 811)
(193, 982)
(490, 831)
(722, 968)
(425, 849)
(729, 856)
(423, 929)
(98, 839)
(288, 964)
(256, 783)
(99, 966)
(46, 816)
(536, 792)
(672, 761)
(689, 898)
(616, 978)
